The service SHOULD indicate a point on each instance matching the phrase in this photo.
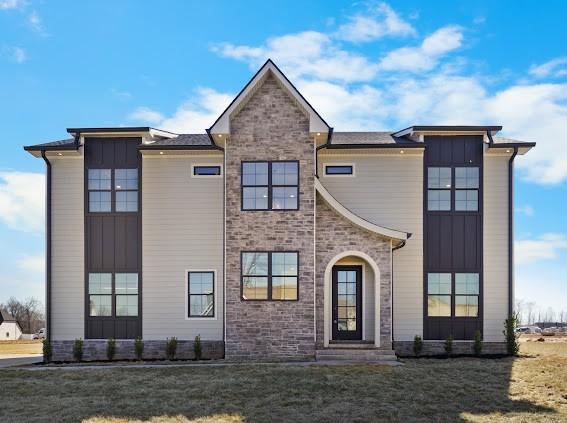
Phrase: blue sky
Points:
(363, 65)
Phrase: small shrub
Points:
(139, 348)
(477, 346)
(47, 351)
(449, 345)
(417, 345)
(512, 342)
(78, 349)
(171, 348)
(110, 348)
(540, 340)
(197, 347)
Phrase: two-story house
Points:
(271, 236)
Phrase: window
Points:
(270, 185)
(100, 294)
(332, 170)
(269, 276)
(466, 199)
(99, 185)
(201, 294)
(439, 188)
(126, 290)
(206, 171)
(467, 291)
(439, 294)
(125, 188)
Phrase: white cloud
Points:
(193, 116)
(554, 68)
(18, 54)
(526, 210)
(22, 201)
(426, 56)
(10, 4)
(121, 94)
(32, 264)
(545, 247)
(310, 53)
(376, 23)
(34, 22)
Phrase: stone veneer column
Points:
(269, 127)
(336, 235)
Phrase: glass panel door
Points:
(347, 303)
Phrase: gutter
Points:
(47, 248)
(511, 233)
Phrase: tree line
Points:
(29, 313)
(529, 313)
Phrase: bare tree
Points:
(520, 311)
(29, 313)
(530, 313)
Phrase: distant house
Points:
(10, 329)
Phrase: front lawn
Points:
(20, 347)
(467, 389)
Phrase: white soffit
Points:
(357, 220)
(222, 124)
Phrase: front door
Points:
(347, 303)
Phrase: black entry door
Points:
(347, 302)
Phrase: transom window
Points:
(459, 300)
(102, 190)
(269, 276)
(270, 185)
(206, 171)
(331, 170)
(201, 291)
(440, 189)
(109, 298)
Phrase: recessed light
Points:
(401, 151)
(318, 133)
(59, 154)
(220, 135)
(161, 152)
(507, 151)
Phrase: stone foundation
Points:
(433, 348)
(95, 350)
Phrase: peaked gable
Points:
(222, 125)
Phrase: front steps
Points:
(360, 353)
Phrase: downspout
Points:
(511, 233)
(47, 248)
(329, 136)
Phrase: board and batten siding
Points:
(182, 228)
(67, 248)
(495, 255)
(388, 190)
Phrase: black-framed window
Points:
(102, 190)
(270, 185)
(201, 292)
(339, 170)
(445, 299)
(439, 289)
(207, 171)
(109, 298)
(270, 275)
(467, 292)
(466, 188)
(439, 183)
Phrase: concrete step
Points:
(352, 345)
(355, 354)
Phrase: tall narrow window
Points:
(466, 188)
(255, 186)
(201, 294)
(126, 186)
(467, 291)
(270, 276)
(439, 294)
(100, 294)
(126, 290)
(439, 188)
(284, 185)
(99, 186)
(270, 185)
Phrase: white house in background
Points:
(10, 329)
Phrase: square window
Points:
(466, 306)
(126, 283)
(439, 283)
(100, 305)
(126, 305)
(255, 173)
(284, 198)
(284, 288)
(126, 179)
(100, 201)
(255, 264)
(439, 177)
(255, 198)
(466, 177)
(284, 264)
(467, 283)
(284, 173)
(466, 200)
(254, 288)
(100, 283)
(127, 201)
(99, 179)
(438, 200)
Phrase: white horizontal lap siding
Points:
(182, 228)
(388, 190)
(67, 248)
(495, 226)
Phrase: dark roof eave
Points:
(117, 129)
(512, 144)
(50, 148)
(180, 147)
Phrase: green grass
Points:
(530, 388)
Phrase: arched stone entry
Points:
(369, 286)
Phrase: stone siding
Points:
(271, 126)
(95, 350)
(432, 348)
(337, 235)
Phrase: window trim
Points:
(270, 187)
(340, 175)
(453, 296)
(453, 190)
(215, 296)
(113, 295)
(113, 191)
(194, 165)
(269, 276)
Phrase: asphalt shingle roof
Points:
(185, 140)
(371, 138)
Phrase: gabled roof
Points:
(6, 317)
(222, 124)
(69, 144)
